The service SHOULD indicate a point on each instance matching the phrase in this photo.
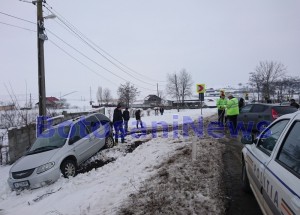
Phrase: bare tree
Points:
(185, 85)
(179, 86)
(99, 96)
(269, 72)
(173, 87)
(255, 82)
(127, 93)
(107, 95)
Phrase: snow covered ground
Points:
(108, 188)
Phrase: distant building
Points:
(152, 100)
(52, 102)
(7, 107)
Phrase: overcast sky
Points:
(218, 42)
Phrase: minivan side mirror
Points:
(74, 139)
(248, 139)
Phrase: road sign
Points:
(200, 88)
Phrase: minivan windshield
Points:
(50, 139)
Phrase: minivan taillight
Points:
(274, 114)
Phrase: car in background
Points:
(259, 115)
(271, 166)
(60, 150)
(285, 103)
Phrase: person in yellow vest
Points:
(232, 110)
(221, 105)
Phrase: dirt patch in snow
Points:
(183, 185)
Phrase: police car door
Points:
(261, 155)
(282, 176)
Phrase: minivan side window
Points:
(78, 131)
(92, 123)
(289, 153)
(269, 137)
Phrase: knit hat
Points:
(119, 105)
(229, 95)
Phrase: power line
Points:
(6, 14)
(15, 26)
(64, 50)
(91, 59)
(71, 56)
(80, 36)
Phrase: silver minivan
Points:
(60, 150)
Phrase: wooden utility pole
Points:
(41, 37)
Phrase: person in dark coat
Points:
(294, 103)
(241, 103)
(118, 123)
(126, 118)
(138, 118)
(161, 110)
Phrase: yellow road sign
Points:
(200, 88)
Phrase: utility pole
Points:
(41, 37)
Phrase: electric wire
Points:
(65, 51)
(6, 14)
(81, 35)
(91, 59)
(15, 26)
(83, 64)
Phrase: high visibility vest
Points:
(221, 103)
(232, 107)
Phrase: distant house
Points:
(52, 102)
(152, 100)
(7, 107)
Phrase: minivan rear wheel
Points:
(68, 168)
(109, 142)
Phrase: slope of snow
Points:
(104, 190)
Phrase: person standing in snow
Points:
(126, 118)
(118, 123)
(221, 105)
(138, 118)
(232, 110)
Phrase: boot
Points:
(123, 141)
(116, 140)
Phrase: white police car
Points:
(271, 166)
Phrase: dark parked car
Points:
(260, 115)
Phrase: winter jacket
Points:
(138, 115)
(232, 107)
(117, 117)
(126, 115)
(221, 103)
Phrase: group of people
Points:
(121, 119)
(160, 109)
(231, 107)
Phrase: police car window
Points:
(246, 109)
(289, 154)
(269, 137)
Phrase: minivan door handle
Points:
(296, 203)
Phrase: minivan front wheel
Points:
(68, 168)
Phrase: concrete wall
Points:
(20, 139)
